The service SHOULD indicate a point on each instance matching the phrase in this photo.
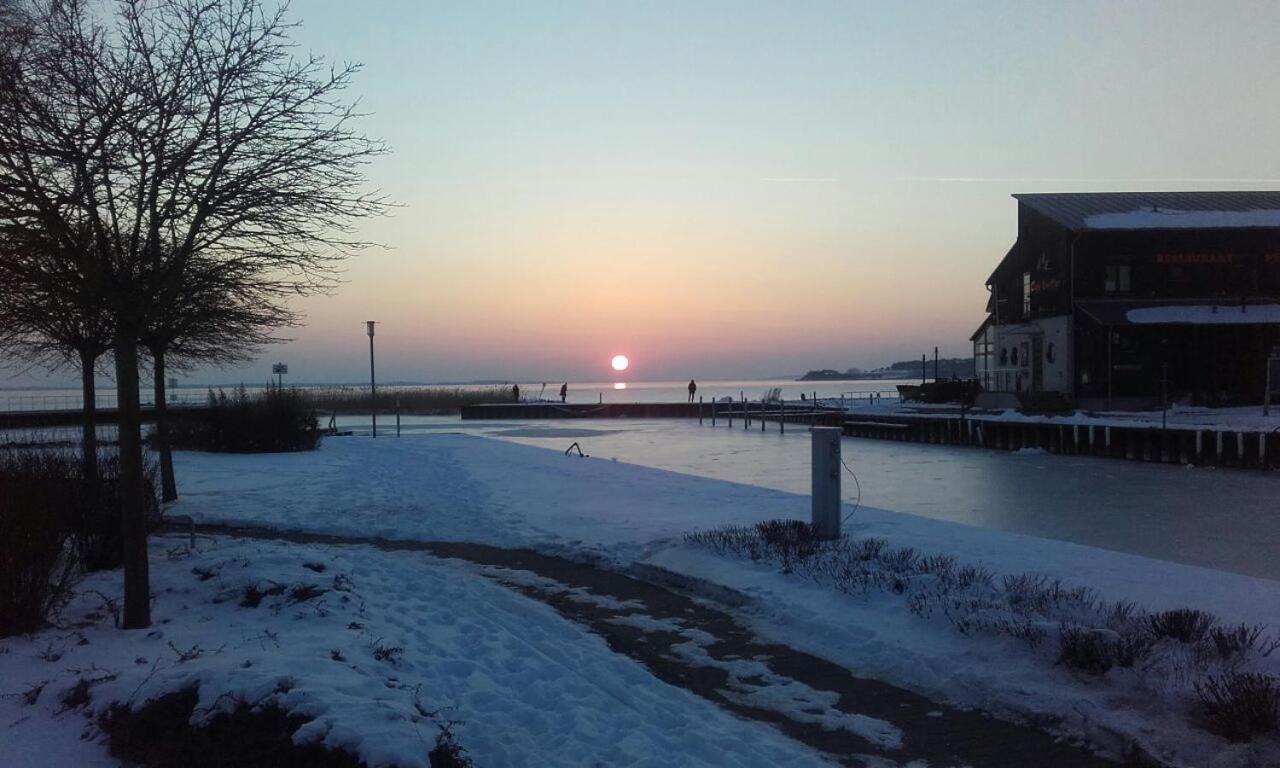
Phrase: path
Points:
(686, 643)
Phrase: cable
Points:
(857, 502)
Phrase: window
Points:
(1049, 353)
(1004, 356)
(1117, 278)
(1026, 294)
(1013, 356)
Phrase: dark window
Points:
(1013, 356)
(1117, 278)
(1049, 353)
(1004, 355)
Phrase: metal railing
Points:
(69, 402)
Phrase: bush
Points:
(1240, 706)
(95, 526)
(1186, 625)
(1085, 649)
(271, 421)
(161, 734)
(53, 521)
(425, 401)
(37, 503)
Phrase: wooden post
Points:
(764, 411)
(397, 418)
(713, 411)
(699, 409)
(826, 482)
(782, 416)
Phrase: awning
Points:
(1109, 313)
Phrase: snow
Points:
(1199, 314)
(531, 687)
(1168, 218)
(527, 686)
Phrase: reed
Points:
(421, 401)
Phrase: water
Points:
(678, 392)
(1217, 518)
(579, 392)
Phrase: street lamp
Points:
(373, 386)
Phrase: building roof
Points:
(1157, 210)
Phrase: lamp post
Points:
(373, 386)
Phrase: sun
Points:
(620, 362)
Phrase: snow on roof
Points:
(1156, 210)
(1200, 314)
(1163, 218)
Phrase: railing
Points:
(25, 403)
(864, 397)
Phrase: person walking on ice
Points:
(515, 393)
(693, 387)
(564, 391)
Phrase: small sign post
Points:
(373, 386)
(279, 369)
(826, 482)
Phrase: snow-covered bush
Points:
(38, 498)
(272, 421)
(1184, 649)
(1240, 706)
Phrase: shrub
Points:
(791, 541)
(95, 526)
(1186, 625)
(37, 502)
(251, 735)
(274, 420)
(410, 400)
(1233, 641)
(1240, 706)
(1085, 649)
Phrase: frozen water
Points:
(1212, 517)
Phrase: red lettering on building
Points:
(1195, 258)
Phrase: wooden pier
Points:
(1180, 444)
(1245, 449)
(791, 413)
(73, 418)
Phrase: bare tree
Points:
(181, 132)
(220, 315)
(50, 317)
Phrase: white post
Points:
(826, 482)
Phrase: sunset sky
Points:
(747, 189)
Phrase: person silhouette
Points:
(693, 387)
(515, 393)
(564, 391)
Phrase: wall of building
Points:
(1016, 349)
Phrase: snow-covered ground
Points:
(468, 488)
(394, 645)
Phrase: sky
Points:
(739, 189)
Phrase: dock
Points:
(1178, 444)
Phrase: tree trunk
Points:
(133, 508)
(89, 416)
(168, 484)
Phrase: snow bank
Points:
(397, 644)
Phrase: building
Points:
(1112, 299)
